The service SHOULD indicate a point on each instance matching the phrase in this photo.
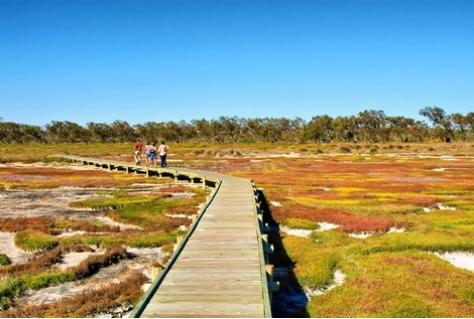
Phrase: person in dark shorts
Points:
(163, 151)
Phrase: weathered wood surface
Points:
(218, 271)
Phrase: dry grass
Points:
(87, 303)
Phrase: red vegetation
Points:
(23, 223)
(424, 201)
(349, 222)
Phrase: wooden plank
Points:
(205, 297)
(210, 308)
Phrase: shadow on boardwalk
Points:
(290, 300)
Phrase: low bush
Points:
(345, 149)
(4, 260)
(33, 240)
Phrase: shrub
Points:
(345, 149)
(5, 302)
(11, 287)
(32, 240)
(4, 260)
(43, 280)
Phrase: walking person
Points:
(153, 154)
(137, 152)
(148, 148)
(163, 151)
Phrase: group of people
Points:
(151, 152)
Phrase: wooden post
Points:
(272, 285)
(155, 273)
(179, 239)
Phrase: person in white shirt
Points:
(163, 151)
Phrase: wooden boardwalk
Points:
(220, 269)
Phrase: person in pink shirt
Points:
(148, 148)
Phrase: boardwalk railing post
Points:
(179, 239)
(155, 272)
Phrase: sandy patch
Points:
(326, 226)
(339, 278)
(360, 235)
(110, 222)
(75, 258)
(368, 234)
(142, 259)
(396, 230)
(459, 259)
(323, 226)
(296, 232)
(7, 247)
(439, 206)
(181, 216)
(43, 202)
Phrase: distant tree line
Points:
(370, 126)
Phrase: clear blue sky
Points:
(170, 60)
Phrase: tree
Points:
(371, 125)
(203, 130)
(149, 131)
(66, 132)
(10, 133)
(319, 129)
(122, 132)
(442, 124)
(346, 128)
(100, 132)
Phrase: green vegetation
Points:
(4, 260)
(369, 126)
(299, 223)
(31, 240)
